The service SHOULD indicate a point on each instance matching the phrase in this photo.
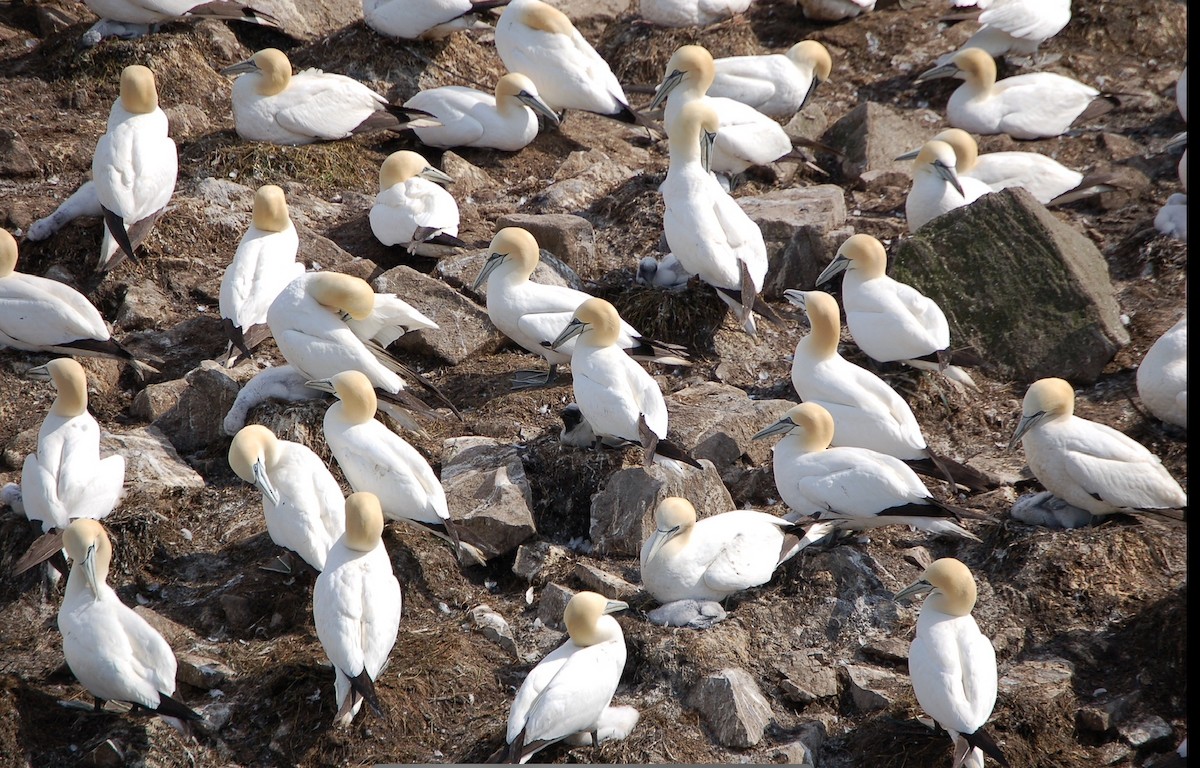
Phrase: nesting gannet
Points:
(689, 13)
(853, 488)
(134, 166)
(41, 315)
(111, 650)
(470, 118)
(302, 502)
(867, 413)
(271, 104)
(835, 10)
(1017, 26)
(713, 558)
(412, 209)
(133, 18)
(533, 314)
(540, 42)
(263, 265)
(1162, 376)
(619, 400)
(614, 724)
(356, 607)
(1089, 465)
(668, 273)
(937, 187)
(425, 19)
(890, 320)
(1034, 106)
(951, 663)
(1171, 219)
(706, 229)
(568, 692)
(745, 136)
(1048, 180)
(777, 84)
(66, 478)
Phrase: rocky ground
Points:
(1089, 625)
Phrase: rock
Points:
(1100, 718)
(157, 399)
(143, 307)
(796, 753)
(583, 178)
(201, 672)
(151, 462)
(307, 19)
(809, 123)
(196, 420)
(15, 157)
(493, 626)
(464, 332)
(468, 178)
(535, 561)
(1039, 681)
(187, 121)
(872, 136)
(552, 603)
(603, 582)
(1146, 731)
(886, 649)
(461, 269)
(489, 496)
(732, 706)
(802, 228)
(872, 688)
(715, 421)
(239, 611)
(808, 676)
(1007, 253)
(693, 614)
(53, 18)
(175, 634)
(622, 512)
(570, 238)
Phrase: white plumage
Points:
(835, 10)
(777, 85)
(1017, 26)
(1171, 219)
(423, 19)
(937, 188)
(412, 209)
(507, 120)
(1162, 376)
(690, 13)
(156, 11)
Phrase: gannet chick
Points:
(1034, 106)
(133, 18)
(890, 320)
(533, 314)
(134, 166)
(951, 663)
(1171, 219)
(110, 649)
(469, 118)
(1162, 376)
(689, 13)
(356, 607)
(540, 42)
(1086, 464)
(41, 315)
(853, 488)
(412, 210)
(263, 265)
(867, 413)
(937, 187)
(1017, 26)
(426, 19)
(711, 559)
(620, 401)
(745, 136)
(777, 84)
(1049, 181)
(668, 273)
(706, 229)
(835, 10)
(302, 502)
(272, 105)
(66, 478)
(569, 691)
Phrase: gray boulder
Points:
(802, 228)
(489, 496)
(715, 421)
(871, 136)
(568, 237)
(464, 329)
(732, 706)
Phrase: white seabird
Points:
(41, 315)
(426, 19)
(707, 231)
(889, 320)
(412, 210)
(620, 401)
(852, 488)
(1016, 26)
(745, 136)
(1034, 106)
(689, 13)
(777, 84)
(540, 42)
(468, 117)
(569, 691)
(134, 18)
(66, 478)
(263, 265)
(1162, 376)
(272, 105)
(134, 166)
(111, 650)
(951, 663)
(356, 607)
(835, 10)
(302, 502)
(1086, 464)
(533, 314)
(937, 188)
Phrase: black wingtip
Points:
(364, 686)
(981, 739)
(177, 709)
(669, 450)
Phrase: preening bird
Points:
(1162, 376)
(356, 608)
(467, 117)
(272, 105)
(263, 265)
(412, 210)
(777, 84)
(937, 187)
(134, 166)
(951, 663)
(426, 19)
(689, 13)
(1016, 26)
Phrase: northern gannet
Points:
(467, 117)
(689, 13)
(134, 166)
(533, 314)
(356, 607)
(1017, 26)
(412, 210)
(134, 18)
(937, 187)
(426, 19)
(835, 10)
(777, 84)
(1162, 376)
